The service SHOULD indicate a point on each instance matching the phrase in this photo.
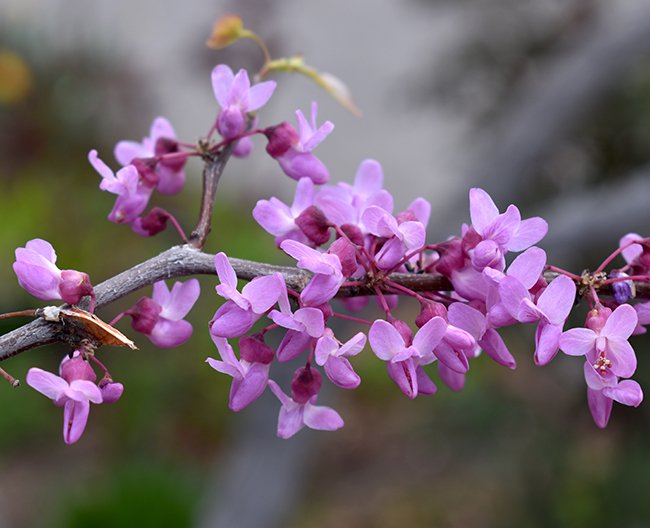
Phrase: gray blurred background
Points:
(544, 103)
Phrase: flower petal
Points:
(621, 323)
(75, 417)
(482, 209)
(627, 392)
(578, 341)
(46, 383)
(529, 232)
(385, 340)
(322, 418)
(557, 299)
(600, 407)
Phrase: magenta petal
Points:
(292, 345)
(482, 209)
(454, 380)
(299, 165)
(167, 334)
(493, 345)
(46, 383)
(425, 383)
(622, 356)
(84, 390)
(321, 418)
(529, 232)
(600, 407)
(369, 177)
(111, 392)
(340, 372)
(390, 254)
(578, 341)
(290, 420)
(513, 293)
(321, 289)
(385, 340)
(244, 392)
(225, 271)
(557, 300)
(404, 375)
(503, 228)
(621, 323)
(274, 216)
(75, 417)
(263, 292)
(627, 392)
(312, 321)
(231, 321)
(453, 359)
(37, 281)
(632, 252)
(181, 299)
(469, 319)
(547, 341)
(311, 259)
(225, 368)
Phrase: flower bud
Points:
(597, 317)
(169, 146)
(145, 315)
(281, 138)
(346, 253)
(76, 368)
(147, 170)
(231, 122)
(404, 330)
(353, 233)
(623, 290)
(111, 391)
(254, 350)
(305, 384)
(74, 285)
(486, 255)
(452, 256)
(315, 225)
(152, 223)
(428, 310)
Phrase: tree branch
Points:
(183, 261)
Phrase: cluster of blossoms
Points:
(350, 240)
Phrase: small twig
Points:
(13, 381)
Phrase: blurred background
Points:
(545, 103)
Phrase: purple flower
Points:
(328, 275)
(38, 274)
(237, 97)
(304, 327)
(302, 410)
(401, 235)
(605, 346)
(161, 317)
(404, 358)
(249, 377)
(279, 220)
(74, 390)
(237, 316)
(292, 149)
(332, 355)
(551, 309)
(603, 388)
(149, 157)
(133, 192)
(500, 233)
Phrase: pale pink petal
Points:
(600, 407)
(385, 340)
(632, 252)
(622, 356)
(428, 337)
(244, 392)
(421, 208)
(312, 321)
(274, 216)
(621, 323)
(224, 368)
(454, 380)
(46, 383)
(167, 334)
(340, 372)
(263, 292)
(627, 392)
(405, 377)
(470, 319)
(322, 418)
(504, 226)
(321, 289)
(326, 346)
(292, 345)
(425, 384)
(222, 79)
(161, 294)
(547, 340)
(84, 390)
(225, 271)
(513, 294)
(304, 196)
(529, 232)
(181, 299)
(75, 417)
(413, 234)
(378, 222)
(309, 258)
(43, 248)
(452, 358)
(290, 420)
(482, 209)
(578, 341)
(259, 95)
(369, 177)
(353, 346)
(596, 380)
(528, 266)
(231, 321)
(558, 298)
(126, 151)
(493, 345)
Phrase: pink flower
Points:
(603, 388)
(237, 97)
(148, 157)
(161, 317)
(332, 355)
(249, 377)
(405, 357)
(133, 192)
(38, 274)
(292, 149)
(74, 390)
(237, 316)
(304, 327)
(606, 345)
(301, 409)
